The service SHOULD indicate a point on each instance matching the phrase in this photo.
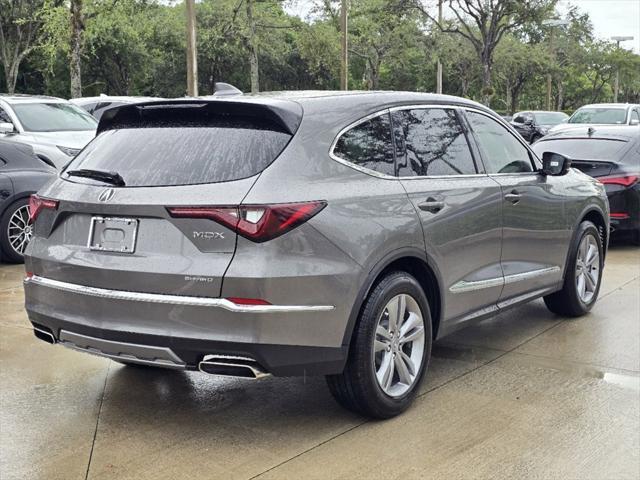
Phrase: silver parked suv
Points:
(307, 233)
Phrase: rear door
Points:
(459, 206)
(536, 233)
(130, 237)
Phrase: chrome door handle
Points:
(431, 205)
(513, 197)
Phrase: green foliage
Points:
(137, 47)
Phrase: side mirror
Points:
(555, 164)
(634, 121)
(7, 127)
(528, 121)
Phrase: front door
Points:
(535, 229)
(459, 207)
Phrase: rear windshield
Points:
(582, 148)
(602, 115)
(161, 156)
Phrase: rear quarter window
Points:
(368, 145)
(221, 150)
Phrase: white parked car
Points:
(56, 129)
(602, 114)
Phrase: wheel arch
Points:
(410, 260)
(596, 216)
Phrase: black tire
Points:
(357, 388)
(9, 254)
(567, 302)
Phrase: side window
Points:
(368, 145)
(501, 151)
(635, 116)
(4, 116)
(519, 118)
(431, 141)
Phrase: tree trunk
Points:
(11, 75)
(509, 98)
(487, 91)
(253, 49)
(77, 37)
(560, 87)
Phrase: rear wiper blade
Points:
(114, 178)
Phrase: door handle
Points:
(513, 196)
(431, 205)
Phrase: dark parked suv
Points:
(306, 233)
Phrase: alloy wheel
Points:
(19, 230)
(399, 345)
(587, 268)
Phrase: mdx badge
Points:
(208, 235)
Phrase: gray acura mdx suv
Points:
(306, 233)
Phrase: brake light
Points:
(37, 204)
(619, 216)
(258, 223)
(625, 181)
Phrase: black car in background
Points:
(612, 155)
(533, 125)
(21, 174)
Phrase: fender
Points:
(373, 274)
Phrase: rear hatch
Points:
(110, 223)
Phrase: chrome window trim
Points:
(389, 110)
(464, 286)
(171, 299)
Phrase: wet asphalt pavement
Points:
(523, 395)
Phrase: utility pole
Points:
(616, 85)
(439, 66)
(192, 50)
(551, 23)
(344, 60)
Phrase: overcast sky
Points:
(609, 17)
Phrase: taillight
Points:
(258, 223)
(619, 215)
(37, 204)
(625, 181)
(248, 301)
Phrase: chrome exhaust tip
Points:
(44, 335)
(232, 366)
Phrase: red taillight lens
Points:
(619, 215)
(258, 223)
(248, 301)
(625, 181)
(37, 204)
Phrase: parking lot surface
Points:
(525, 394)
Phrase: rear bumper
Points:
(180, 330)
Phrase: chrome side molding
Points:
(171, 299)
(464, 286)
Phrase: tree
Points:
(484, 22)
(518, 63)
(20, 22)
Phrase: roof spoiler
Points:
(284, 114)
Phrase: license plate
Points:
(113, 234)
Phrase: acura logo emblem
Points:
(107, 195)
